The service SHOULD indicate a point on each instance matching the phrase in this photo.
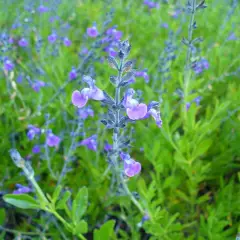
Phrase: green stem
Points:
(187, 71)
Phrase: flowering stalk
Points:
(191, 8)
(116, 119)
(187, 72)
(116, 135)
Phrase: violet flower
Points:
(23, 42)
(92, 32)
(84, 51)
(37, 85)
(52, 37)
(67, 42)
(115, 34)
(21, 189)
(79, 99)
(42, 9)
(131, 167)
(154, 113)
(108, 147)
(232, 37)
(143, 74)
(52, 140)
(8, 65)
(90, 143)
(72, 74)
(33, 131)
(36, 149)
(201, 65)
(84, 113)
(150, 4)
(134, 109)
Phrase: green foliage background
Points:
(189, 184)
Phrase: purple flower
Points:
(67, 42)
(188, 105)
(19, 78)
(111, 51)
(37, 85)
(8, 65)
(131, 167)
(36, 149)
(232, 37)
(201, 65)
(73, 74)
(52, 140)
(176, 13)
(108, 147)
(21, 189)
(164, 25)
(23, 42)
(33, 131)
(151, 4)
(90, 143)
(11, 40)
(92, 32)
(197, 100)
(52, 37)
(134, 109)
(79, 99)
(42, 9)
(84, 51)
(154, 113)
(143, 74)
(84, 113)
(115, 34)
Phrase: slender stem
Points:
(24, 233)
(187, 70)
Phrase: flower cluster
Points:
(151, 4)
(51, 139)
(120, 112)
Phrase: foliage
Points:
(186, 58)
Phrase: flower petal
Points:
(137, 112)
(131, 169)
(97, 94)
(156, 115)
(78, 99)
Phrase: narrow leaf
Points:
(56, 193)
(79, 205)
(23, 201)
(62, 202)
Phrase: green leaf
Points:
(2, 216)
(81, 227)
(79, 204)
(56, 193)
(62, 202)
(105, 232)
(202, 148)
(23, 201)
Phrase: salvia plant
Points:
(113, 142)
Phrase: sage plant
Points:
(122, 109)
